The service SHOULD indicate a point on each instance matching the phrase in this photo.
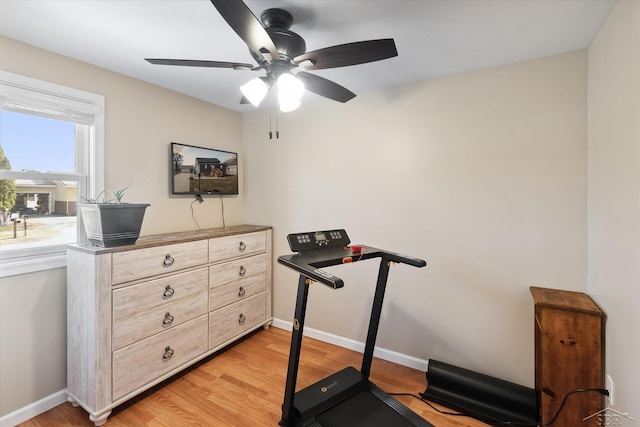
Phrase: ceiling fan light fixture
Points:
(290, 90)
(287, 104)
(255, 90)
(290, 86)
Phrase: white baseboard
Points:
(382, 353)
(36, 408)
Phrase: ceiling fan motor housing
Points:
(276, 18)
(289, 44)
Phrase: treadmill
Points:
(346, 398)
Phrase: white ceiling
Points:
(434, 38)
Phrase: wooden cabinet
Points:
(569, 355)
(138, 314)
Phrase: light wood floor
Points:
(244, 385)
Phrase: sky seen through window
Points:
(37, 143)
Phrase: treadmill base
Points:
(348, 399)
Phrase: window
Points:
(44, 191)
(37, 211)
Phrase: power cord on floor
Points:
(459, 414)
(602, 391)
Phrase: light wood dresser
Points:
(138, 314)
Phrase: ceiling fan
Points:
(282, 54)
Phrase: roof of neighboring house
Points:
(34, 183)
(43, 183)
(207, 160)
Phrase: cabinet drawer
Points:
(156, 293)
(148, 308)
(141, 263)
(235, 246)
(233, 270)
(236, 291)
(235, 319)
(141, 363)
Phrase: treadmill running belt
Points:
(362, 409)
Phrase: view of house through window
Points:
(39, 207)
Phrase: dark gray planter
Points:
(113, 224)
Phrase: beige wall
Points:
(141, 121)
(33, 338)
(481, 174)
(614, 196)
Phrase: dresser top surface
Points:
(171, 238)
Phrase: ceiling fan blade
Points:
(198, 63)
(247, 26)
(323, 87)
(347, 54)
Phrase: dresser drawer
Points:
(141, 363)
(141, 263)
(235, 319)
(238, 245)
(233, 270)
(142, 310)
(236, 291)
(156, 293)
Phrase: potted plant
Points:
(110, 222)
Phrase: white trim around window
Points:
(31, 96)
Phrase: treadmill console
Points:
(331, 239)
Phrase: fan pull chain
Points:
(273, 108)
(271, 123)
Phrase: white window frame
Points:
(27, 95)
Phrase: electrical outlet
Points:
(611, 389)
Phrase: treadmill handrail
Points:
(310, 263)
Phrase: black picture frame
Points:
(200, 170)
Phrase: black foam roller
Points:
(479, 395)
